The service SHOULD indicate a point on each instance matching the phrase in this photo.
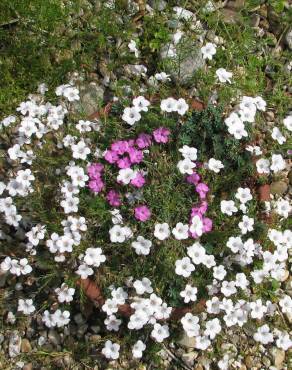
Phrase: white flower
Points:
(133, 48)
(142, 245)
(263, 165)
(258, 310)
(190, 324)
(278, 163)
(213, 328)
(141, 103)
(284, 342)
(162, 76)
(84, 271)
(119, 234)
(254, 149)
(189, 293)
(228, 288)
(112, 323)
(111, 350)
(238, 130)
(283, 208)
(61, 318)
(243, 195)
(184, 267)
(215, 165)
(246, 224)
(138, 349)
(26, 306)
(288, 122)
(110, 306)
(247, 115)
(196, 225)
(219, 272)
(197, 253)
(228, 207)
(286, 304)
(260, 103)
(131, 115)
(119, 295)
(186, 166)
(126, 175)
(181, 231)
(168, 105)
(181, 106)
(162, 231)
(94, 257)
(65, 294)
(223, 75)
(202, 342)
(263, 335)
(143, 286)
(278, 136)
(189, 152)
(80, 150)
(209, 50)
(160, 332)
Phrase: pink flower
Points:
(207, 224)
(136, 156)
(111, 156)
(120, 147)
(96, 185)
(194, 178)
(138, 181)
(142, 213)
(199, 210)
(161, 135)
(143, 141)
(124, 162)
(94, 170)
(114, 199)
(202, 189)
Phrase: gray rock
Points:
(14, 344)
(188, 342)
(279, 187)
(288, 39)
(183, 67)
(54, 337)
(91, 95)
(189, 358)
(78, 318)
(278, 356)
(158, 4)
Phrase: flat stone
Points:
(279, 187)
(27, 366)
(188, 342)
(158, 4)
(189, 358)
(288, 39)
(25, 345)
(278, 357)
(54, 337)
(14, 345)
(230, 16)
(91, 95)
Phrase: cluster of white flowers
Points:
(245, 113)
(172, 105)
(186, 165)
(93, 258)
(132, 114)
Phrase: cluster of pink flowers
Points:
(200, 210)
(124, 154)
(96, 183)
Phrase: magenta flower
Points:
(202, 189)
(111, 156)
(120, 147)
(94, 170)
(142, 213)
(114, 199)
(96, 185)
(124, 162)
(138, 181)
(194, 178)
(161, 135)
(143, 141)
(199, 210)
(207, 224)
(136, 156)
